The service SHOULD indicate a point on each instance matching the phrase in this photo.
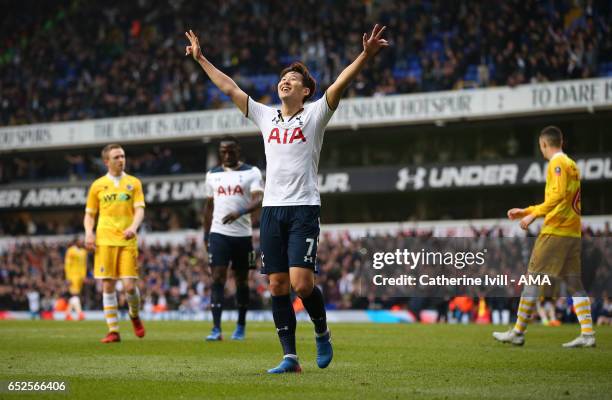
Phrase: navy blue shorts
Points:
(237, 250)
(289, 236)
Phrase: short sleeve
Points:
(92, 201)
(209, 191)
(256, 112)
(139, 200)
(257, 183)
(321, 112)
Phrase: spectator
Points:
(54, 67)
(177, 277)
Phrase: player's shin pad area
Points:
(371, 360)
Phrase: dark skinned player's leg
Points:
(241, 277)
(217, 296)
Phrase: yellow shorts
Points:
(76, 285)
(557, 256)
(114, 262)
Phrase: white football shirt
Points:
(231, 191)
(293, 146)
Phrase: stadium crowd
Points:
(158, 219)
(176, 278)
(75, 60)
(154, 160)
(80, 166)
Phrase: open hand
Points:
(373, 44)
(194, 46)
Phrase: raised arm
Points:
(371, 46)
(222, 81)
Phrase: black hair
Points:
(552, 135)
(229, 138)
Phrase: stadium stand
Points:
(55, 67)
(176, 277)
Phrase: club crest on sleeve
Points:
(558, 170)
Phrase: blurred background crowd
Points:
(76, 166)
(177, 278)
(56, 66)
(157, 219)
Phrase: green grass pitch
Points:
(372, 361)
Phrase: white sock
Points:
(582, 306)
(133, 301)
(109, 301)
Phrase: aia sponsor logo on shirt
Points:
(230, 190)
(295, 136)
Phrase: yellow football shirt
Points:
(561, 207)
(75, 263)
(114, 200)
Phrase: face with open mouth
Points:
(291, 84)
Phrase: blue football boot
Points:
(239, 333)
(288, 365)
(325, 352)
(215, 335)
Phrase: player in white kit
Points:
(293, 136)
(233, 190)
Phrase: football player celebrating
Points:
(293, 137)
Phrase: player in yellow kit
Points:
(75, 269)
(557, 249)
(118, 201)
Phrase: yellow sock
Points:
(582, 306)
(109, 301)
(523, 315)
